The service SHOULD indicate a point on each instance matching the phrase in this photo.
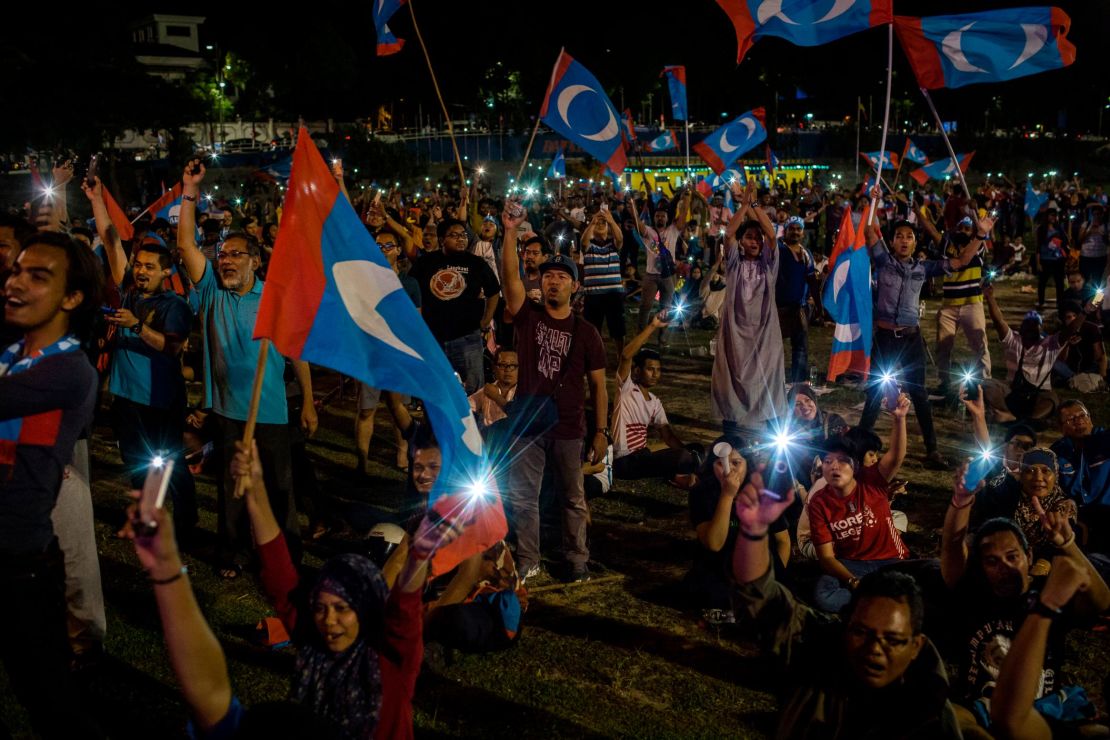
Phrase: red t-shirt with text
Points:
(859, 525)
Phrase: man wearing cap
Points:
(898, 348)
(556, 351)
(458, 296)
(962, 306)
(795, 288)
(1030, 356)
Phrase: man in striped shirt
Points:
(963, 305)
(601, 275)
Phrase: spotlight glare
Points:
(158, 461)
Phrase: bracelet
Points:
(982, 237)
(954, 505)
(753, 537)
(175, 577)
(1067, 543)
(192, 198)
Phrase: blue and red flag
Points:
(332, 299)
(676, 83)
(383, 11)
(991, 46)
(558, 168)
(1033, 200)
(942, 169)
(662, 143)
(890, 159)
(725, 145)
(771, 162)
(802, 22)
(848, 299)
(577, 107)
(913, 154)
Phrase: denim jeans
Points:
(832, 596)
(465, 355)
(530, 456)
(795, 327)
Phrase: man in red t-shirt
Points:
(852, 527)
(555, 350)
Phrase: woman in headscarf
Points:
(809, 427)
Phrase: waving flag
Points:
(913, 154)
(172, 208)
(383, 11)
(662, 143)
(890, 159)
(558, 168)
(332, 299)
(629, 129)
(576, 107)
(676, 82)
(1033, 200)
(942, 169)
(725, 145)
(802, 22)
(771, 162)
(119, 219)
(704, 187)
(848, 299)
(992, 46)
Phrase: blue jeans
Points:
(795, 327)
(831, 596)
(465, 355)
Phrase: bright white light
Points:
(481, 171)
(158, 461)
(887, 377)
(968, 376)
(782, 440)
(478, 489)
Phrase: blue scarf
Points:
(13, 431)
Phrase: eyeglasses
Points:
(1021, 444)
(507, 366)
(1076, 418)
(455, 235)
(387, 247)
(889, 643)
(233, 254)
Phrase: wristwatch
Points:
(1034, 605)
(137, 329)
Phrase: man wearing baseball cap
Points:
(547, 422)
(795, 289)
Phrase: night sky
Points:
(325, 55)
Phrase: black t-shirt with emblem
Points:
(453, 290)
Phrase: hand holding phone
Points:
(152, 496)
(94, 170)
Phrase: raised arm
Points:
(967, 254)
(625, 365)
(999, 321)
(977, 411)
(953, 537)
(614, 228)
(891, 462)
(195, 262)
(713, 534)
(511, 285)
(113, 246)
(755, 510)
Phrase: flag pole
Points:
(859, 108)
(527, 151)
(886, 122)
(947, 143)
(898, 169)
(686, 124)
(252, 413)
(439, 95)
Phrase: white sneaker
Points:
(532, 572)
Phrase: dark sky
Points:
(325, 50)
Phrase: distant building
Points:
(168, 46)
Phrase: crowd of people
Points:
(519, 292)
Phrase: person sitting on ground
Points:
(1082, 453)
(1083, 368)
(488, 404)
(1030, 356)
(809, 427)
(874, 674)
(993, 589)
(713, 517)
(637, 409)
(852, 525)
(357, 621)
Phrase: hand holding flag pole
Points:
(252, 412)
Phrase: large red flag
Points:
(119, 219)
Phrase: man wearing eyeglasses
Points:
(458, 293)
(229, 303)
(870, 673)
(1084, 456)
(489, 403)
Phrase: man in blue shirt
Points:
(229, 305)
(898, 348)
(1084, 457)
(795, 280)
(149, 408)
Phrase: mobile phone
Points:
(153, 495)
(891, 390)
(94, 169)
(107, 310)
(515, 209)
(195, 169)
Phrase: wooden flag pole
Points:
(947, 143)
(527, 152)
(439, 95)
(886, 121)
(252, 413)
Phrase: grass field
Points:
(616, 658)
